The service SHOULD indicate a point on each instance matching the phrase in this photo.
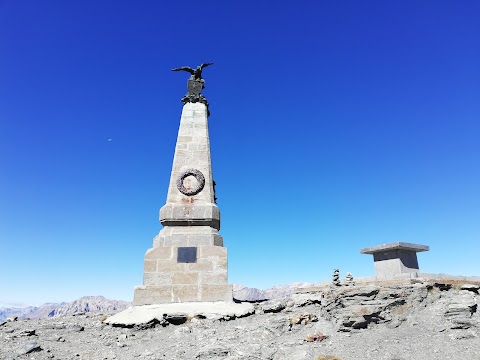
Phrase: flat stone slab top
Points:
(138, 315)
(395, 259)
(395, 246)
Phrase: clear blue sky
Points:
(335, 125)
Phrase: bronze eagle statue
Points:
(196, 73)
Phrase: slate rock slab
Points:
(29, 347)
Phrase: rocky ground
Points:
(418, 321)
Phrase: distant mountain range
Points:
(279, 292)
(84, 304)
(101, 304)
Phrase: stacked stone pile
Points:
(336, 278)
(349, 280)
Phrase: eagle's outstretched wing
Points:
(205, 65)
(185, 68)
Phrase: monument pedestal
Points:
(185, 264)
(393, 260)
(188, 262)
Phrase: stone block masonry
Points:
(188, 262)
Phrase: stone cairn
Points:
(349, 280)
(336, 278)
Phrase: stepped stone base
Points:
(169, 279)
(147, 295)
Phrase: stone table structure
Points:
(395, 259)
(188, 262)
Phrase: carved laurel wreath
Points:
(200, 179)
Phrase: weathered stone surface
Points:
(144, 295)
(185, 278)
(150, 266)
(219, 263)
(202, 265)
(200, 208)
(357, 307)
(303, 299)
(213, 352)
(168, 293)
(461, 310)
(273, 306)
(186, 236)
(213, 277)
(211, 310)
(214, 292)
(168, 266)
(185, 293)
(207, 251)
(29, 347)
(154, 279)
(415, 326)
(160, 252)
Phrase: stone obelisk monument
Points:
(188, 262)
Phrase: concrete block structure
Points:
(395, 259)
(188, 262)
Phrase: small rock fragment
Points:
(462, 335)
(470, 287)
(212, 351)
(175, 319)
(303, 319)
(26, 332)
(295, 320)
(182, 330)
(442, 287)
(77, 328)
(273, 307)
(316, 337)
